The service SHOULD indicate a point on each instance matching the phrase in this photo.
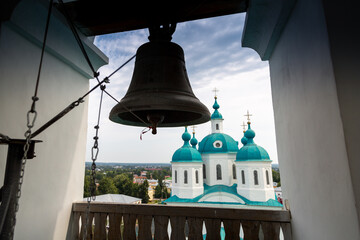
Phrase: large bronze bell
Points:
(160, 94)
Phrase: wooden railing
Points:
(161, 222)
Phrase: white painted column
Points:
(54, 179)
(312, 153)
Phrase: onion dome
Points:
(251, 151)
(193, 141)
(244, 139)
(186, 153)
(218, 143)
(216, 114)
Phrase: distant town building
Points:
(151, 193)
(218, 172)
(278, 193)
(139, 179)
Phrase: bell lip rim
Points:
(201, 120)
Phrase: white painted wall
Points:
(190, 189)
(221, 198)
(225, 160)
(54, 179)
(311, 147)
(217, 125)
(261, 192)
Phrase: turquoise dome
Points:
(225, 144)
(244, 140)
(193, 141)
(186, 153)
(216, 114)
(251, 151)
(186, 136)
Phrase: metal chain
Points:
(94, 155)
(31, 117)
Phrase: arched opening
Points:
(185, 177)
(204, 171)
(256, 178)
(175, 176)
(218, 172)
(217, 126)
(242, 177)
(196, 176)
(267, 177)
(234, 171)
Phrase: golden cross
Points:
(193, 127)
(248, 115)
(243, 125)
(215, 90)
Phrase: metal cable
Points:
(77, 38)
(96, 74)
(94, 155)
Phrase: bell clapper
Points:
(155, 119)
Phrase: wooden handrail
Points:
(179, 211)
(137, 219)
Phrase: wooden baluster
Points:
(271, 230)
(177, 228)
(286, 228)
(195, 228)
(100, 226)
(129, 227)
(145, 222)
(232, 229)
(89, 226)
(161, 227)
(75, 225)
(114, 226)
(251, 230)
(213, 229)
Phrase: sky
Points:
(214, 58)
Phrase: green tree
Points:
(157, 191)
(124, 184)
(155, 175)
(86, 186)
(137, 172)
(106, 185)
(143, 192)
(99, 176)
(161, 190)
(276, 177)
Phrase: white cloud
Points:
(214, 58)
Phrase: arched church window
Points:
(175, 176)
(185, 177)
(204, 171)
(256, 179)
(218, 172)
(234, 171)
(243, 176)
(217, 126)
(267, 177)
(197, 176)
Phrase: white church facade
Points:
(217, 172)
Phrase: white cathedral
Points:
(217, 172)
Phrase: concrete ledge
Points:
(29, 19)
(265, 20)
